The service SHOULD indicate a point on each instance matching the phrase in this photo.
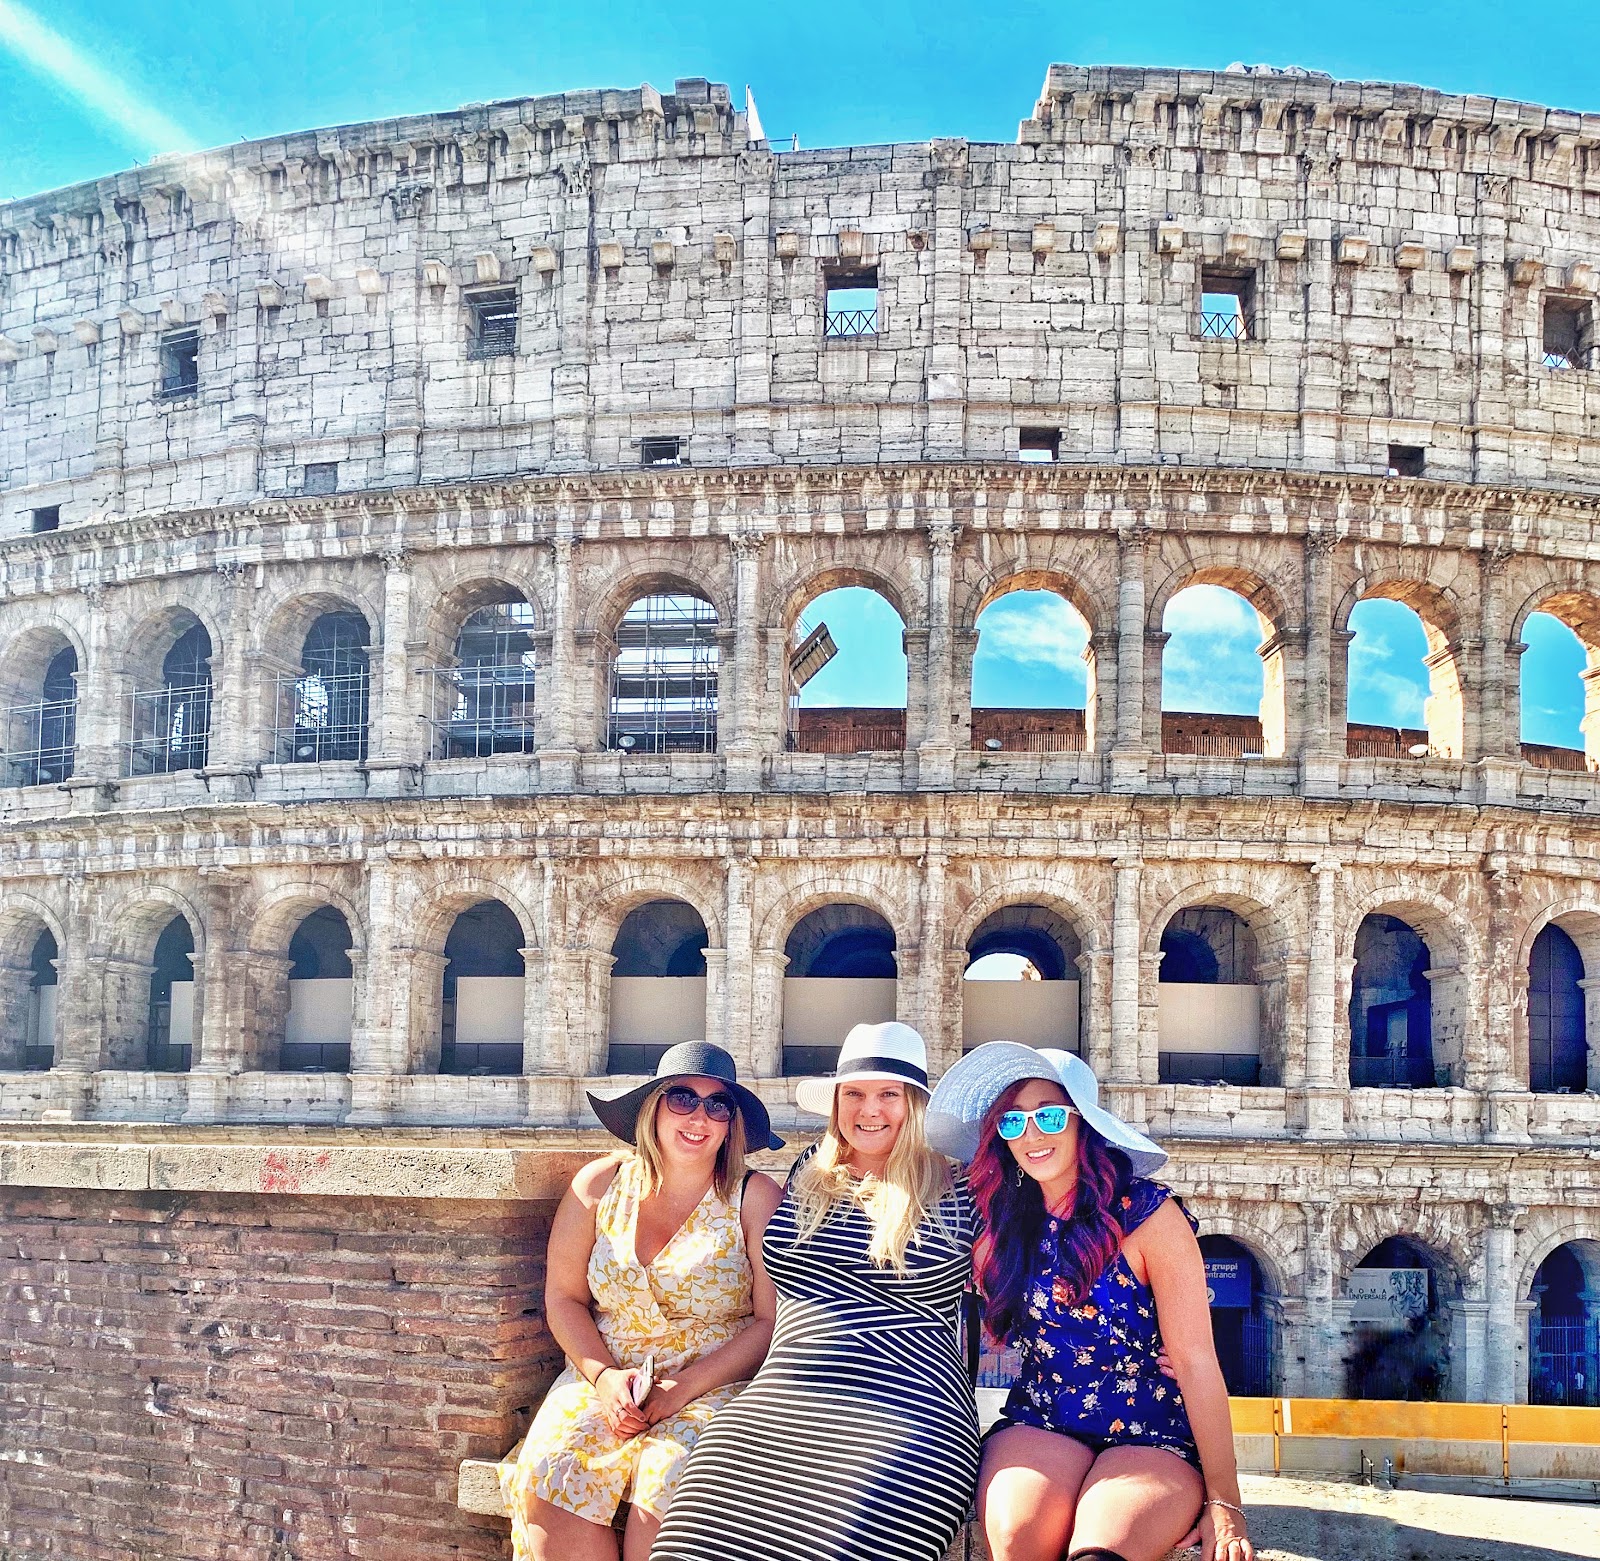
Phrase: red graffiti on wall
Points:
(286, 1173)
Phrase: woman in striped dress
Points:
(858, 1438)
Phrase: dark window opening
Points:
(1227, 304)
(320, 477)
(38, 1041)
(172, 724)
(486, 941)
(318, 951)
(169, 1040)
(851, 304)
(1042, 445)
(47, 518)
(494, 323)
(1558, 1043)
(661, 452)
(1407, 460)
(1568, 333)
(328, 715)
(180, 363)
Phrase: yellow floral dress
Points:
(695, 1296)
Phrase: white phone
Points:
(644, 1379)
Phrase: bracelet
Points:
(1217, 1501)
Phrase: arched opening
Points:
(1244, 1317)
(171, 725)
(1558, 1038)
(664, 676)
(39, 1038)
(1221, 677)
(1391, 1009)
(322, 709)
(481, 1024)
(484, 702)
(1564, 1327)
(1021, 981)
(321, 1014)
(846, 674)
(1401, 1307)
(39, 725)
(170, 1033)
(1032, 676)
(658, 984)
(841, 971)
(1555, 695)
(1403, 697)
(1210, 999)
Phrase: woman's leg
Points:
(1027, 1491)
(1136, 1501)
(640, 1534)
(555, 1534)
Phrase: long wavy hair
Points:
(1013, 1218)
(912, 1185)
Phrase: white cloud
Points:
(1030, 652)
(66, 67)
(1210, 661)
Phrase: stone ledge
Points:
(329, 1171)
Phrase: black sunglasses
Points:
(684, 1102)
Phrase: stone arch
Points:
(128, 965)
(459, 892)
(287, 695)
(133, 926)
(1579, 918)
(460, 592)
(1578, 607)
(1248, 1337)
(1434, 916)
(789, 596)
(1011, 575)
(608, 907)
(286, 617)
(1274, 924)
(785, 913)
(482, 987)
(1546, 1232)
(28, 653)
(1089, 924)
(1459, 1247)
(1272, 1233)
(21, 915)
(25, 919)
(273, 1033)
(156, 633)
(654, 576)
(271, 919)
(1267, 596)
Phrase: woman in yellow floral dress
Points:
(654, 1257)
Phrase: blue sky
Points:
(103, 85)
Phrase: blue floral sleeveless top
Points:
(1089, 1370)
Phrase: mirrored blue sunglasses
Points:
(1048, 1119)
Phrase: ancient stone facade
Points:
(574, 352)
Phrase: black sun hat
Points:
(619, 1114)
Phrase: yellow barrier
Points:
(1554, 1443)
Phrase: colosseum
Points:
(411, 537)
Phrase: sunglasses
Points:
(1048, 1119)
(684, 1102)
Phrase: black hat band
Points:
(898, 1066)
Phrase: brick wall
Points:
(196, 1377)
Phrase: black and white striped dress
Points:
(858, 1438)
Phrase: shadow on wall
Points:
(1317, 1534)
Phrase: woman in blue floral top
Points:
(1092, 1272)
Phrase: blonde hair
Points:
(729, 1172)
(898, 1203)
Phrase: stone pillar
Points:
(1100, 708)
(934, 1020)
(558, 754)
(1590, 987)
(766, 1012)
(1323, 726)
(102, 712)
(1501, 1335)
(124, 986)
(535, 1003)
(570, 377)
(80, 1017)
(395, 768)
(1590, 725)
(221, 994)
(717, 1015)
(947, 380)
(739, 718)
(1094, 1010)
(377, 1038)
(1126, 1063)
(935, 752)
(752, 364)
(1323, 1090)
(1497, 1056)
(734, 1036)
(234, 751)
(1320, 370)
(1322, 1373)
(1130, 751)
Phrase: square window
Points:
(1227, 303)
(661, 452)
(851, 306)
(494, 323)
(1040, 445)
(180, 362)
(1568, 332)
(47, 518)
(320, 477)
(1407, 460)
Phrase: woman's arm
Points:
(739, 1358)
(568, 1305)
(1177, 1278)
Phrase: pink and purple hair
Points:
(1014, 1218)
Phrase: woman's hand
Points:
(614, 1387)
(667, 1398)
(1223, 1536)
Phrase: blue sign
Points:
(1228, 1282)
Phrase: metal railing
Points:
(1209, 1067)
(481, 709)
(320, 719)
(1396, 1070)
(1559, 361)
(42, 736)
(1221, 325)
(169, 729)
(850, 322)
(1565, 1365)
(1031, 742)
(1546, 756)
(1213, 745)
(849, 739)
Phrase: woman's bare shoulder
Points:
(590, 1184)
(761, 1196)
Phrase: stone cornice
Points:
(726, 502)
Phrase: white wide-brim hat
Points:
(968, 1091)
(890, 1053)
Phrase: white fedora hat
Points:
(968, 1091)
(888, 1052)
